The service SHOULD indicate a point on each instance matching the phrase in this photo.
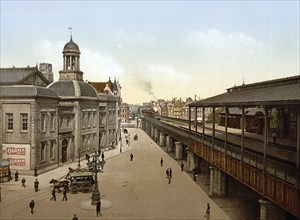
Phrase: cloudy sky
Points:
(158, 49)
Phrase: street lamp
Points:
(78, 158)
(96, 165)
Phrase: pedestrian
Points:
(31, 206)
(169, 178)
(207, 211)
(35, 171)
(102, 156)
(53, 195)
(131, 157)
(23, 181)
(170, 172)
(98, 208)
(194, 177)
(74, 217)
(16, 175)
(9, 174)
(182, 166)
(36, 185)
(65, 194)
(161, 162)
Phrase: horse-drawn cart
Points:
(81, 181)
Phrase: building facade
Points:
(45, 125)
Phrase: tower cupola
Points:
(71, 62)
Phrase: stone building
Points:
(46, 70)
(45, 125)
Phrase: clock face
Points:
(67, 75)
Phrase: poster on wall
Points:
(18, 155)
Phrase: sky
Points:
(157, 49)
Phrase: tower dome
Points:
(71, 46)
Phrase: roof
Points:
(22, 75)
(280, 91)
(100, 86)
(73, 88)
(21, 91)
(71, 47)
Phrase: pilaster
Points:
(218, 183)
(178, 150)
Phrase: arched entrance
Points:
(64, 151)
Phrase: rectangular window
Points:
(61, 121)
(9, 121)
(68, 121)
(52, 122)
(89, 120)
(24, 122)
(52, 147)
(94, 119)
(43, 122)
(43, 151)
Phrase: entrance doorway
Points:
(64, 151)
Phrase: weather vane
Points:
(70, 32)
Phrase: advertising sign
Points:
(18, 155)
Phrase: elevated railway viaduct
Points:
(268, 165)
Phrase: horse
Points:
(57, 184)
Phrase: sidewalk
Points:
(137, 189)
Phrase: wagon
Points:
(81, 181)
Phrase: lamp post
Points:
(96, 165)
(78, 158)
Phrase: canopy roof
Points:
(274, 92)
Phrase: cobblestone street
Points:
(135, 189)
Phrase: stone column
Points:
(168, 147)
(269, 211)
(152, 131)
(162, 139)
(155, 134)
(178, 150)
(190, 161)
(218, 183)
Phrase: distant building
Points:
(125, 113)
(46, 70)
(22, 76)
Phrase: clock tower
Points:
(71, 62)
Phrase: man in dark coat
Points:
(23, 182)
(36, 185)
(53, 195)
(65, 194)
(35, 171)
(131, 157)
(74, 217)
(161, 162)
(182, 166)
(98, 208)
(16, 176)
(170, 171)
(31, 206)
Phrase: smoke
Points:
(147, 87)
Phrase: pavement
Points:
(136, 189)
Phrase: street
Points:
(136, 189)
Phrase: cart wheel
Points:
(74, 189)
(86, 188)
